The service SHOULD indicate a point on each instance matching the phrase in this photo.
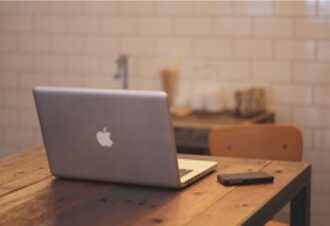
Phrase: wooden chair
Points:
(275, 142)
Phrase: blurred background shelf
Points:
(191, 132)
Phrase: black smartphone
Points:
(245, 178)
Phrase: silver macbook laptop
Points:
(113, 135)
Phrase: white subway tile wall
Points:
(312, 27)
(271, 27)
(166, 8)
(232, 70)
(215, 47)
(49, 24)
(8, 42)
(214, 8)
(292, 94)
(314, 72)
(38, 8)
(324, 8)
(170, 47)
(322, 138)
(17, 23)
(253, 48)
(253, 8)
(118, 25)
(323, 48)
(282, 45)
(83, 24)
(233, 26)
(271, 71)
(295, 50)
(192, 26)
(154, 26)
(295, 8)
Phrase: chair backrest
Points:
(275, 142)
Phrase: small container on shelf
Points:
(250, 102)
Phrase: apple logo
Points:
(103, 137)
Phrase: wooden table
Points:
(29, 195)
(191, 132)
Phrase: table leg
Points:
(300, 207)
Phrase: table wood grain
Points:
(30, 195)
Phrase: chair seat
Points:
(275, 223)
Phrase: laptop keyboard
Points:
(184, 172)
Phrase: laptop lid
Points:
(110, 135)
